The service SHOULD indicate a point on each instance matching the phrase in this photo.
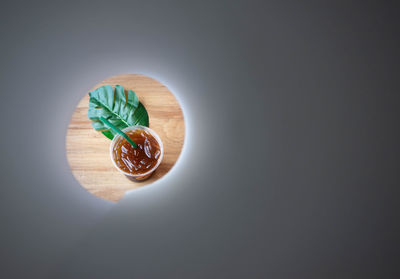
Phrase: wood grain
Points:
(88, 150)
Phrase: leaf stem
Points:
(125, 136)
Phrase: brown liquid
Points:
(137, 160)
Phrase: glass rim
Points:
(137, 127)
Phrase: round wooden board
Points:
(88, 151)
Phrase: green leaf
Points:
(121, 109)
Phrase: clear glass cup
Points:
(141, 176)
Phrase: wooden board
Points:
(88, 151)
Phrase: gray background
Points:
(290, 167)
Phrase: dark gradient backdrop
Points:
(291, 164)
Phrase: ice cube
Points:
(147, 148)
